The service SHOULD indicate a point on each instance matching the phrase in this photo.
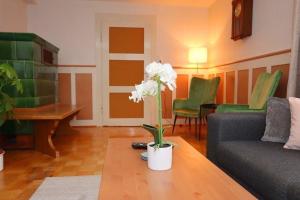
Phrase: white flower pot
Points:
(159, 158)
(1, 159)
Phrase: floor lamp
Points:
(198, 55)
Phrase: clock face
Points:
(238, 9)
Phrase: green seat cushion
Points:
(186, 113)
(202, 91)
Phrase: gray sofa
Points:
(264, 168)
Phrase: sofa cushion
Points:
(294, 191)
(294, 138)
(265, 167)
(278, 120)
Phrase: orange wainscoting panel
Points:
(282, 87)
(255, 73)
(125, 72)
(230, 78)
(220, 91)
(84, 96)
(182, 86)
(242, 87)
(167, 103)
(126, 40)
(121, 107)
(64, 88)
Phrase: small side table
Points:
(208, 106)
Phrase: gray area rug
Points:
(68, 188)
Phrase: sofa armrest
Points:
(233, 126)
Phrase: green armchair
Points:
(202, 91)
(264, 88)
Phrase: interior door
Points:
(126, 50)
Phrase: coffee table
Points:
(126, 176)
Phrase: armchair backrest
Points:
(265, 87)
(203, 90)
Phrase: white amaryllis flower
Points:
(146, 88)
(164, 72)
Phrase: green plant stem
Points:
(159, 104)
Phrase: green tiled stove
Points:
(34, 59)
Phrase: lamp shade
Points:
(198, 55)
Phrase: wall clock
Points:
(241, 19)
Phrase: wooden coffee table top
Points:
(193, 176)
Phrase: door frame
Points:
(102, 58)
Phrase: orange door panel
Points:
(121, 107)
(125, 72)
(126, 40)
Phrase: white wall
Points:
(13, 16)
(272, 30)
(70, 24)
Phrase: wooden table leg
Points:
(64, 126)
(44, 129)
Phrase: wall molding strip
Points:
(68, 65)
(254, 58)
(275, 53)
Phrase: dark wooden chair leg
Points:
(199, 129)
(189, 123)
(174, 124)
(196, 128)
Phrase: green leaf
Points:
(154, 131)
(8, 76)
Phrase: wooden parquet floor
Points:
(82, 153)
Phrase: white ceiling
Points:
(192, 3)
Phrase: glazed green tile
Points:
(28, 89)
(18, 36)
(19, 66)
(55, 58)
(29, 51)
(7, 50)
(32, 102)
(3, 61)
(37, 52)
(44, 88)
(47, 100)
(24, 50)
(26, 102)
(24, 127)
(13, 36)
(30, 70)
(17, 127)
(33, 88)
(8, 127)
(46, 73)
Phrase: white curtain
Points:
(294, 74)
